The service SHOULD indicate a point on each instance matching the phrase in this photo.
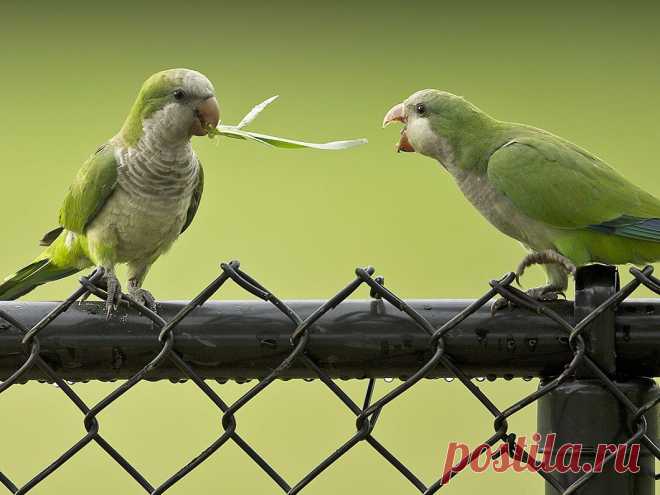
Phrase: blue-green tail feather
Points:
(643, 229)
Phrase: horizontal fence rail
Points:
(242, 340)
(595, 358)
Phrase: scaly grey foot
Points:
(144, 297)
(547, 257)
(113, 288)
(544, 293)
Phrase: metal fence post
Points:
(583, 411)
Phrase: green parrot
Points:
(135, 195)
(567, 207)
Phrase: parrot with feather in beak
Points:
(135, 195)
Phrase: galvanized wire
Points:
(366, 414)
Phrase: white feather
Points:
(237, 132)
(278, 142)
(252, 114)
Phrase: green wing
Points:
(557, 183)
(196, 198)
(92, 187)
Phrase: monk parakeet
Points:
(135, 195)
(566, 206)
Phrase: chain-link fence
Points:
(591, 354)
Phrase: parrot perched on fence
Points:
(567, 207)
(135, 195)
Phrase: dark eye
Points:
(179, 94)
(420, 109)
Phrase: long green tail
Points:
(50, 266)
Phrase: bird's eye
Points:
(420, 109)
(179, 94)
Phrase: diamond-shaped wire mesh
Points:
(366, 414)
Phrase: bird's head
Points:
(176, 103)
(432, 119)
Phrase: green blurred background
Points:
(302, 221)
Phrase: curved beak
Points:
(208, 115)
(398, 114)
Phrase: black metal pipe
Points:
(358, 339)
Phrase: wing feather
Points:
(93, 185)
(561, 185)
(196, 199)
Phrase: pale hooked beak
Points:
(208, 115)
(398, 114)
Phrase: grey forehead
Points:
(424, 94)
(197, 83)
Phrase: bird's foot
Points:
(499, 304)
(113, 289)
(544, 293)
(547, 257)
(144, 297)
